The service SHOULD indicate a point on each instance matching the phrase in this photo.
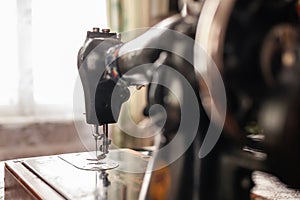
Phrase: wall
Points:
(38, 139)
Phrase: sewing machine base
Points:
(52, 177)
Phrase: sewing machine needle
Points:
(96, 143)
(96, 135)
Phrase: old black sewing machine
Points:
(223, 91)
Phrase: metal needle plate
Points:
(88, 162)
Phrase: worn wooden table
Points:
(53, 177)
(1, 180)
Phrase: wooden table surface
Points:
(267, 186)
(53, 177)
(1, 180)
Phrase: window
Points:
(39, 41)
(8, 53)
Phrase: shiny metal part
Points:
(104, 147)
(96, 29)
(97, 136)
(105, 141)
(105, 30)
(88, 162)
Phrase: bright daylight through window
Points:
(39, 41)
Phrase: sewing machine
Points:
(254, 45)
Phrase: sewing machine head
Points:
(98, 88)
